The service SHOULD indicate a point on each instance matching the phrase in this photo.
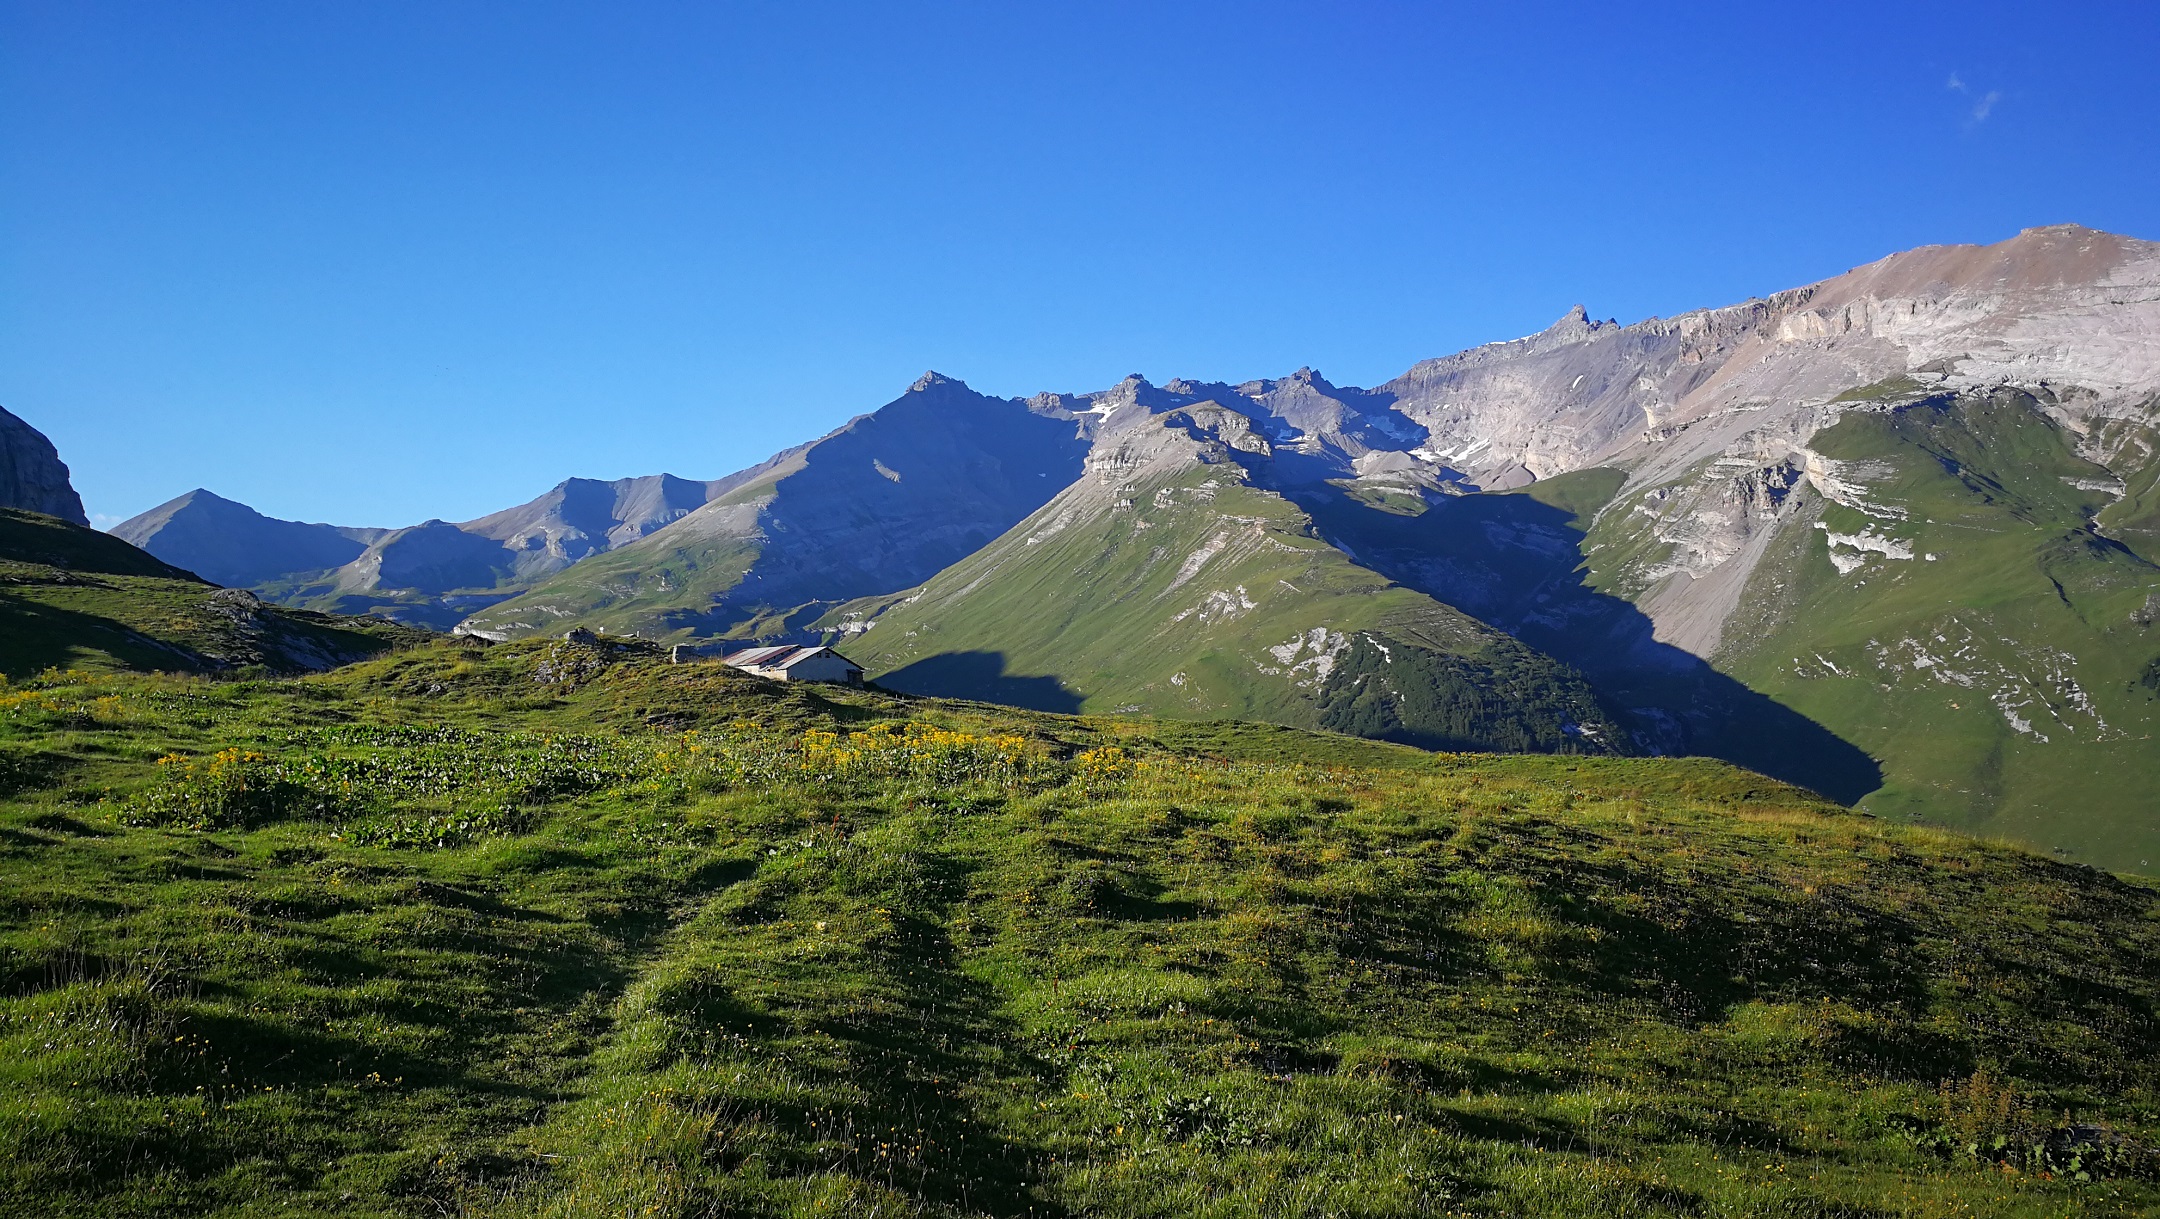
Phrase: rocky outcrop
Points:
(32, 476)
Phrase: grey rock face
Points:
(32, 476)
(2065, 311)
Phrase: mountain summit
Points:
(882, 502)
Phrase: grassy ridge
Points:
(546, 929)
(74, 597)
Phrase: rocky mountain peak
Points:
(2060, 230)
(204, 497)
(2043, 260)
(1136, 390)
(1576, 323)
(933, 379)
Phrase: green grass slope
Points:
(555, 930)
(1197, 594)
(1996, 672)
(71, 597)
(661, 586)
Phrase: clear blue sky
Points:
(377, 262)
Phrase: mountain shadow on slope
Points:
(981, 676)
(35, 637)
(1516, 563)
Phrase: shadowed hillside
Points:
(71, 597)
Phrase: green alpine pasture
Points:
(1996, 672)
(559, 929)
(1201, 595)
(658, 587)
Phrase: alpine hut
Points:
(792, 663)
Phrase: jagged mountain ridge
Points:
(1199, 569)
(434, 573)
(1718, 507)
(32, 476)
(1165, 580)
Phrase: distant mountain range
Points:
(1892, 535)
(431, 574)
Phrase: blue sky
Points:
(373, 263)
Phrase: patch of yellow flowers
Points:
(1108, 762)
(102, 709)
(925, 750)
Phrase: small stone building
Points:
(791, 663)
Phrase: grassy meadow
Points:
(544, 929)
